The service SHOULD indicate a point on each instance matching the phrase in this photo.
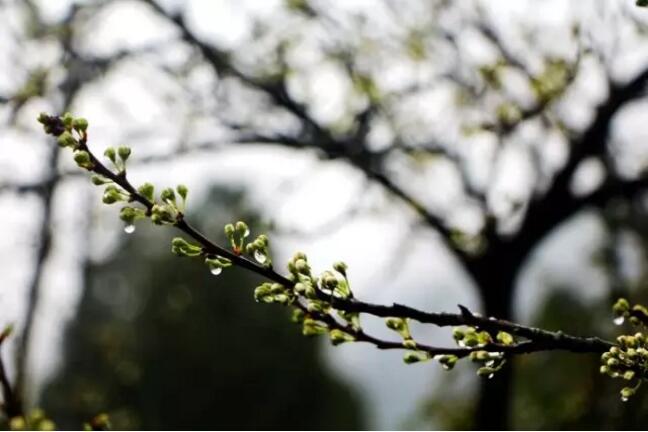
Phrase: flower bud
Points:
(167, 195)
(504, 338)
(110, 154)
(242, 229)
(67, 120)
(340, 267)
(66, 140)
(147, 190)
(229, 230)
(411, 357)
(124, 152)
(82, 159)
(80, 124)
(339, 337)
(182, 191)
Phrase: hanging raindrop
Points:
(216, 270)
(129, 229)
(260, 257)
(491, 376)
(619, 320)
(624, 399)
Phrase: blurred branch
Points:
(313, 135)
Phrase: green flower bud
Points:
(339, 337)
(67, 120)
(147, 190)
(313, 328)
(80, 124)
(505, 338)
(17, 424)
(297, 315)
(163, 214)
(457, 334)
(396, 324)
(628, 375)
(110, 154)
(261, 292)
(613, 363)
(98, 180)
(604, 370)
(314, 307)
(340, 267)
(448, 361)
(409, 344)
(46, 425)
(181, 247)
(82, 159)
(128, 214)
(242, 229)
(479, 356)
(411, 357)
(229, 230)
(43, 118)
(167, 195)
(182, 191)
(302, 266)
(621, 307)
(486, 371)
(329, 281)
(124, 152)
(66, 140)
(627, 393)
(112, 194)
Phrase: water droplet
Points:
(461, 343)
(247, 232)
(216, 270)
(129, 229)
(445, 367)
(624, 399)
(619, 320)
(260, 256)
(490, 363)
(491, 376)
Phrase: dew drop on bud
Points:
(445, 366)
(491, 376)
(624, 399)
(216, 270)
(619, 320)
(129, 229)
(260, 256)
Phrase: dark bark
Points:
(496, 272)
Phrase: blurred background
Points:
(491, 154)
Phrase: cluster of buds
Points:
(401, 326)
(628, 360)
(69, 132)
(236, 235)
(168, 210)
(637, 315)
(35, 420)
(273, 293)
(490, 362)
(259, 249)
